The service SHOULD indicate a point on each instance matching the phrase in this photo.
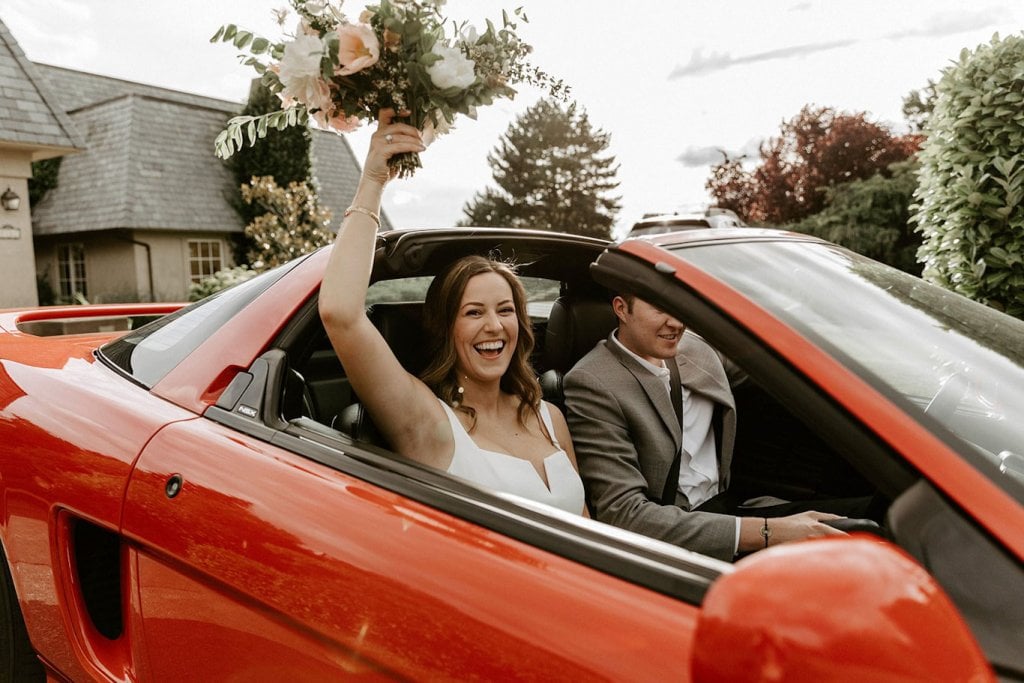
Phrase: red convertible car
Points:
(200, 496)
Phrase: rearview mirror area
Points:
(850, 609)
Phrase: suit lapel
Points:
(653, 388)
(697, 379)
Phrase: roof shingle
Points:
(150, 161)
(31, 116)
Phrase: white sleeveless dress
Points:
(509, 474)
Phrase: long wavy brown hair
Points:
(444, 297)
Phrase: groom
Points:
(627, 436)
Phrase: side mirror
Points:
(850, 609)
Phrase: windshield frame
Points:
(777, 276)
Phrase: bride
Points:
(477, 411)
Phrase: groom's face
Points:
(646, 330)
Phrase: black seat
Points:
(574, 327)
(355, 421)
(296, 399)
(401, 325)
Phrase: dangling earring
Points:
(455, 403)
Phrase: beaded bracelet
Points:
(365, 212)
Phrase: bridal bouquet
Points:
(401, 54)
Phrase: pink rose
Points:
(337, 122)
(358, 48)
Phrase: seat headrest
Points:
(401, 325)
(575, 325)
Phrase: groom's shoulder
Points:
(597, 357)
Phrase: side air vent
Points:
(98, 565)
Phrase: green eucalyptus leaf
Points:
(242, 39)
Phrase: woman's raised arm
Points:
(400, 405)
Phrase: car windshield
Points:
(954, 360)
(149, 353)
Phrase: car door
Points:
(249, 560)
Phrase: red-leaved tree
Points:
(817, 149)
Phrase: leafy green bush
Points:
(969, 206)
(872, 217)
(44, 178)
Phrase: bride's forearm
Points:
(343, 291)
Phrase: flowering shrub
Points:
(222, 279)
(292, 223)
(399, 54)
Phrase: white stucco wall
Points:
(17, 259)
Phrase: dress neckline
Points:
(545, 478)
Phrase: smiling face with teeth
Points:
(486, 328)
(454, 332)
(646, 330)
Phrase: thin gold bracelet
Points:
(365, 212)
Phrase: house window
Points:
(204, 259)
(71, 271)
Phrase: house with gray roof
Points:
(33, 127)
(142, 207)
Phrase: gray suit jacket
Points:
(626, 435)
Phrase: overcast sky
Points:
(672, 81)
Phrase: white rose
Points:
(453, 70)
(301, 57)
(299, 71)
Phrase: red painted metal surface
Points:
(70, 437)
(268, 562)
(852, 611)
(11, 319)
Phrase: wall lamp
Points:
(10, 200)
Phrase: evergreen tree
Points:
(918, 106)
(282, 155)
(44, 178)
(552, 173)
(971, 194)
